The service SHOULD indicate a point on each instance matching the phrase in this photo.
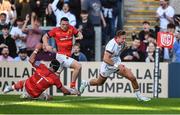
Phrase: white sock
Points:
(137, 93)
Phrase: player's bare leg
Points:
(99, 81)
(125, 72)
(77, 67)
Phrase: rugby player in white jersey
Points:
(112, 63)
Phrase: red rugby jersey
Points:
(42, 79)
(64, 39)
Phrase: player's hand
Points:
(74, 91)
(33, 14)
(27, 18)
(115, 66)
(3, 45)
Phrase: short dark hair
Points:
(120, 32)
(146, 22)
(84, 12)
(5, 26)
(64, 19)
(37, 19)
(66, 3)
(3, 14)
(136, 38)
(55, 64)
(19, 19)
(171, 26)
(77, 44)
(23, 50)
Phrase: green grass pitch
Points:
(12, 104)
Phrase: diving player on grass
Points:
(43, 78)
(112, 64)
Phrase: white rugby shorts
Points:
(64, 60)
(106, 70)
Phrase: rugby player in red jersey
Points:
(63, 36)
(43, 78)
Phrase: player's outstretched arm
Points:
(46, 44)
(33, 55)
(69, 91)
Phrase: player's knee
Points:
(100, 82)
(78, 66)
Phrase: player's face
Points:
(76, 49)
(3, 18)
(23, 56)
(151, 47)
(171, 30)
(146, 27)
(5, 52)
(37, 23)
(163, 3)
(64, 25)
(20, 23)
(5, 31)
(136, 43)
(65, 8)
(84, 16)
(121, 39)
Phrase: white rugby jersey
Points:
(115, 49)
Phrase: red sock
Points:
(73, 85)
(19, 85)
